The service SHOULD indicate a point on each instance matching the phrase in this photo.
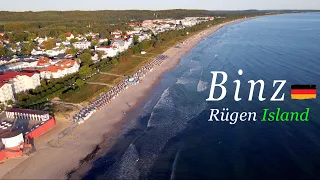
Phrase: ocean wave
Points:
(169, 116)
(182, 81)
(202, 86)
(127, 168)
(174, 164)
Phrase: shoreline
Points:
(81, 171)
(103, 127)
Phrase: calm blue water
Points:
(172, 138)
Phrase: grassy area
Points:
(87, 92)
(104, 78)
(128, 67)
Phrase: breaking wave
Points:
(176, 106)
(126, 169)
(202, 86)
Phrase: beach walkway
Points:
(111, 74)
(99, 83)
(141, 57)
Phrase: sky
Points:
(42, 5)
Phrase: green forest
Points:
(26, 25)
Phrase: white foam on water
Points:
(127, 168)
(164, 101)
(182, 81)
(202, 86)
(174, 165)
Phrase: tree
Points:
(144, 45)
(62, 37)
(22, 97)
(73, 40)
(135, 40)
(57, 86)
(100, 55)
(114, 61)
(94, 43)
(31, 37)
(2, 50)
(27, 48)
(2, 107)
(43, 83)
(80, 83)
(49, 44)
(10, 102)
(85, 71)
(135, 49)
(86, 59)
(89, 38)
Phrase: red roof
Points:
(68, 34)
(31, 70)
(51, 68)
(2, 84)
(6, 76)
(43, 61)
(66, 63)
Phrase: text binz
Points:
(252, 83)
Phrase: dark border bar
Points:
(299, 86)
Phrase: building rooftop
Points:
(27, 111)
(6, 76)
(65, 63)
(9, 133)
(43, 61)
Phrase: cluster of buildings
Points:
(55, 63)
(162, 25)
(14, 82)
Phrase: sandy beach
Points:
(53, 163)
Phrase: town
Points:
(26, 62)
(37, 71)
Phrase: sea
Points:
(169, 135)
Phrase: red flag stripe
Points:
(303, 91)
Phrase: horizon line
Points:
(160, 10)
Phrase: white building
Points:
(21, 81)
(116, 33)
(59, 70)
(109, 51)
(143, 37)
(66, 43)
(122, 45)
(18, 66)
(69, 36)
(82, 45)
(6, 92)
(101, 41)
(36, 52)
(55, 52)
(135, 32)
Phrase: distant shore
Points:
(77, 153)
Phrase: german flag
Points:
(302, 92)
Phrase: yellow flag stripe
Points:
(303, 96)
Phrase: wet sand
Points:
(54, 163)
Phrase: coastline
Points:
(108, 122)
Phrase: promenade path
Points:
(99, 83)
(111, 74)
